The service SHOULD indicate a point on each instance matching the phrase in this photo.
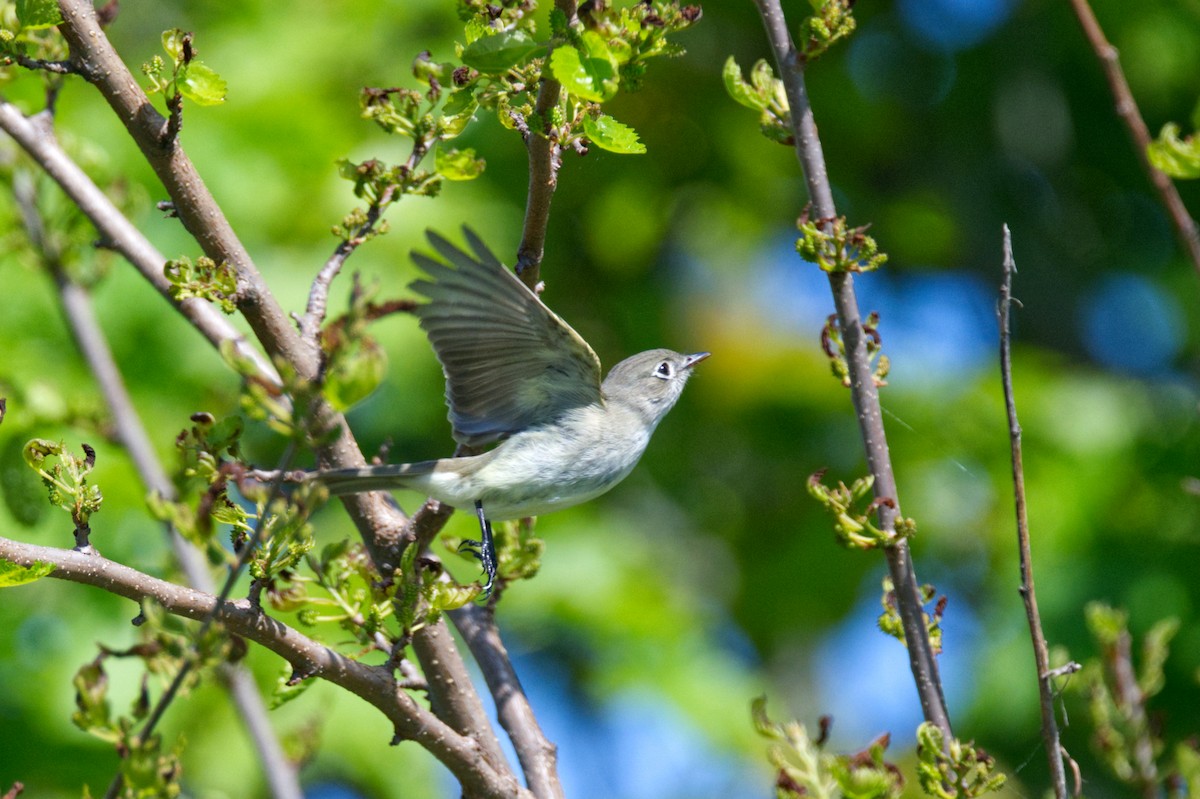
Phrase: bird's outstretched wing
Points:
(509, 361)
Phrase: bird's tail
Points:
(374, 478)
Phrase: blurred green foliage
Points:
(709, 576)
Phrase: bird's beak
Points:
(694, 358)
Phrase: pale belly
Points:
(537, 472)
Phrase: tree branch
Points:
(36, 136)
(1041, 655)
(1185, 226)
(101, 66)
(89, 337)
(544, 155)
(384, 529)
(461, 755)
(863, 391)
(538, 756)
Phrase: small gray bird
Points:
(518, 374)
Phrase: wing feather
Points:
(510, 362)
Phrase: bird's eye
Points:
(665, 370)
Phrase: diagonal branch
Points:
(863, 391)
(1126, 106)
(538, 756)
(36, 137)
(375, 684)
(99, 64)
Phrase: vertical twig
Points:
(1041, 655)
(1127, 109)
(863, 391)
(544, 154)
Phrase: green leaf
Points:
(354, 374)
(172, 42)
(459, 102)
(458, 164)
(15, 574)
(1179, 158)
(201, 85)
(741, 91)
(609, 134)
(284, 692)
(590, 73)
(38, 14)
(499, 53)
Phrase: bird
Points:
(518, 376)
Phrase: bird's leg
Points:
(484, 549)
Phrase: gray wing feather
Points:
(510, 362)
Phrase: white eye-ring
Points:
(665, 370)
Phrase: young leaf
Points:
(172, 42)
(609, 134)
(201, 85)
(458, 164)
(499, 53)
(1179, 158)
(38, 14)
(739, 89)
(590, 73)
(15, 574)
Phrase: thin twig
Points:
(863, 392)
(1041, 654)
(318, 294)
(192, 657)
(44, 65)
(544, 155)
(1127, 109)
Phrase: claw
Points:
(484, 549)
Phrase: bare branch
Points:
(462, 756)
(1041, 654)
(863, 391)
(1127, 109)
(538, 756)
(451, 694)
(43, 65)
(318, 295)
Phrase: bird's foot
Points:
(484, 549)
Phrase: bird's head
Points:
(651, 381)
